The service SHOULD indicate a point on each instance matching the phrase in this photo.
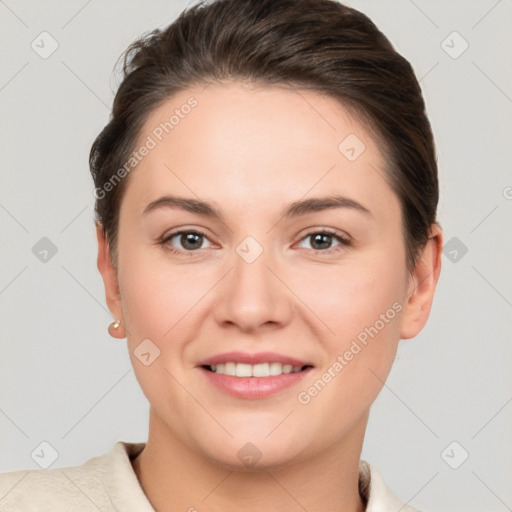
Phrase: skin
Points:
(250, 152)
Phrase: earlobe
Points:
(110, 281)
(422, 285)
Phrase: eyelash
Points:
(343, 242)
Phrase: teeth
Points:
(229, 369)
(243, 370)
(276, 368)
(254, 370)
(260, 370)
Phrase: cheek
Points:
(155, 294)
(362, 303)
(364, 312)
(349, 298)
(158, 305)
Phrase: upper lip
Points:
(256, 358)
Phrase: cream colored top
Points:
(108, 483)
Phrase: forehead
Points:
(228, 140)
(234, 117)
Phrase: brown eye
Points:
(187, 240)
(322, 241)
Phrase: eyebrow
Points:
(295, 209)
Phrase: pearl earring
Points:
(115, 324)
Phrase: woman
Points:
(266, 221)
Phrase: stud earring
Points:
(114, 330)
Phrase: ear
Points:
(109, 275)
(422, 284)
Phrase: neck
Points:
(175, 477)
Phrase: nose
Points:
(252, 297)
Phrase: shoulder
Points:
(379, 496)
(88, 487)
(41, 490)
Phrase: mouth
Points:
(253, 376)
(262, 370)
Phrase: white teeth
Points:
(276, 368)
(254, 370)
(229, 369)
(261, 370)
(243, 370)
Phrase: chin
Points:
(254, 452)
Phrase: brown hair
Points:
(319, 45)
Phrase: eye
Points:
(185, 241)
(323, 241)
(190, 240)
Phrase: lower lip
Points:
(254, 388)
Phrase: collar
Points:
(126, 494)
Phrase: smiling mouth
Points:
(254, 370)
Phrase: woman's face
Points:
(292, 253)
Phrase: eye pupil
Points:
(321, 241)
(191, 241)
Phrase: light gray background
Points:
(63, 380)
